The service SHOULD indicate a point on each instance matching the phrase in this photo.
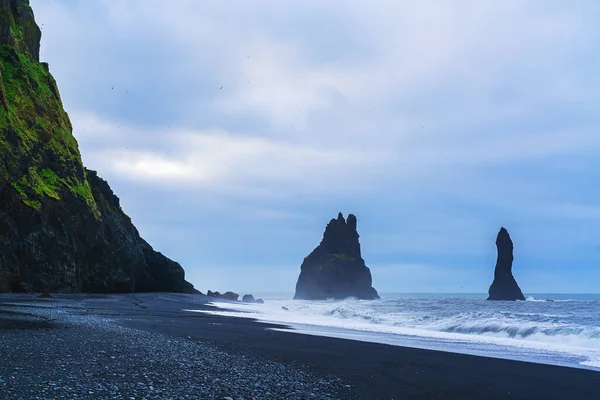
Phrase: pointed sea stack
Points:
(336, 269)
(504, 286)
(62, 228)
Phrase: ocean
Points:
(558, 329)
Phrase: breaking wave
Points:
(561, 331)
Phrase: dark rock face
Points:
(248, 298)
(11, 284)
(5, 286)
(18, 28)
(62, 228)
(336, 269)
(229, 296)
(504, 286)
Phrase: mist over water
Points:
(547, 328)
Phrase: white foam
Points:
(529, 298)
(592, 363)
(533, 336)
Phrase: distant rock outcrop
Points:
(336, 269)
(505, 286)
(248, 298)
(230, 296)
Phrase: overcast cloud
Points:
(233, 131)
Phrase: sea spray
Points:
(560, 330)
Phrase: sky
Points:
(233, 131)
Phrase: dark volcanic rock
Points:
(11, 284)
(504, 286)
(62, 228)
(336, 269)
(248, 298)
(230, 296)
(5, 286)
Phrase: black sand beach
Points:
(143, 346)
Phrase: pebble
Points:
(77, 359)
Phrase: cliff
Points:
(504, 286)
(336, 269)
(62, 228)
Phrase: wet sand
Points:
(225, 356)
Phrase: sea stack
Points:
(62, 228)
(504, 286)
(336, 269)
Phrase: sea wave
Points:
(571, 328)
(529, 298)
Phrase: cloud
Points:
(428, 278)
(436, 123)
(214, 158)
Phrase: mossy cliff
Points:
(61, 226)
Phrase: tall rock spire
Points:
(336, 269)
(504, 286)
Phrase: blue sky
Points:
(233, 131)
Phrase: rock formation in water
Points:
(248, 298)
(61, 227)
(230, 296)
(504, 286)
(336, 269)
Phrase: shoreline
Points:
(491, 338)
(298, 329)
(350, 369)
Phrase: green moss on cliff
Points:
(48, 184)
(343, 257)
(34, 108)
(83, 190)
(16, 32)
(36, 131)
(21, 32)
(36, 185)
